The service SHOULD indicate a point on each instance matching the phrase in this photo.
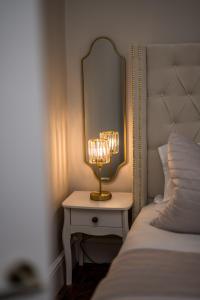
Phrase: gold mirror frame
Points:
(124, 109)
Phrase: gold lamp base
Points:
(97, 196)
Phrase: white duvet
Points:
(153, 264)
(143, 235)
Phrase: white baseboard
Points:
(56, 273)
(100, 249)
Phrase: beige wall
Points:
(55, 75)
(126, 22)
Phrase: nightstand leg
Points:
(66, 235)
(125, 223)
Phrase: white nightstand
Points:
(82, 215)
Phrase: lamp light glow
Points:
(113, 140)
(99, 154)
(98, 151)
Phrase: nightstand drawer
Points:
(103, 218)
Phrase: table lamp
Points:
(113, 140)
(99, 154)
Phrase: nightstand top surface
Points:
(81, 199)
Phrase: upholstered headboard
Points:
(166, 95)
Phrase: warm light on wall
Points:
(58, 150)
(113, 140)
(56, 100)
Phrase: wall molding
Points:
(95, 245)
(56, 273)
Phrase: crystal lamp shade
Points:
(113, 140)
(98, 151)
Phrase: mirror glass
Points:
(103, 77)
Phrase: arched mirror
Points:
(103, 79)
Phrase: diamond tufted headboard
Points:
(166, 95)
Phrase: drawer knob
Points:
(94, 219)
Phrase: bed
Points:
(155, 263)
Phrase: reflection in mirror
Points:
(103, 74)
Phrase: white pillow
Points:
(168, 183)
(182, 212)
(163, 153)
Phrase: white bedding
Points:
(143, 235)
(148, 259)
